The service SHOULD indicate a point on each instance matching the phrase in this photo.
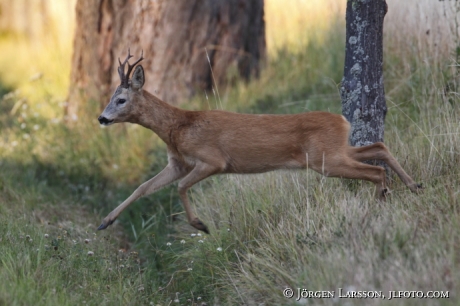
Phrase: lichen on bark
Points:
(362, 90)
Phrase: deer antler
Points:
(124, 78)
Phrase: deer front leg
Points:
(200, 172)
(171, 173)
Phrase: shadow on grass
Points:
(99, 193)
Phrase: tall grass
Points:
(269, 231)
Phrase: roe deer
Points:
(204, 143)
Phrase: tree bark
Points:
(362, 90)
(174, 36)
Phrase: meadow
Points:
(269, 231)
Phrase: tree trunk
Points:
(362, 91)
(174, 36)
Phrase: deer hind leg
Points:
(351, 169)
(380, 152)
(200, 172)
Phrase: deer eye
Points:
(121, 101)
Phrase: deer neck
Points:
(158, 116)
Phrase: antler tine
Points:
(121, 70)
(130, 67)
(124, 78)
(126, 60)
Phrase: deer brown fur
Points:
(205, 143)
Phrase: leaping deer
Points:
(204, 143)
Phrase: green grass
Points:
(269, 231)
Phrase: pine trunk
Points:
(362, 91)
(174, 36)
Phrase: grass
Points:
(271, 231)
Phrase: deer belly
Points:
(262, 161)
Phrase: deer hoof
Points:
(381, 194)
(196, 223)
(385, 192)
(105, 224)
(417, 188)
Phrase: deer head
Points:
(120, 107)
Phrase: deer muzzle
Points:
(104, 121)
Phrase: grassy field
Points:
(268, 232)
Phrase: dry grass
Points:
(422, 29)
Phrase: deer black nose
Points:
(103, 120)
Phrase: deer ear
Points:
(137, 80)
